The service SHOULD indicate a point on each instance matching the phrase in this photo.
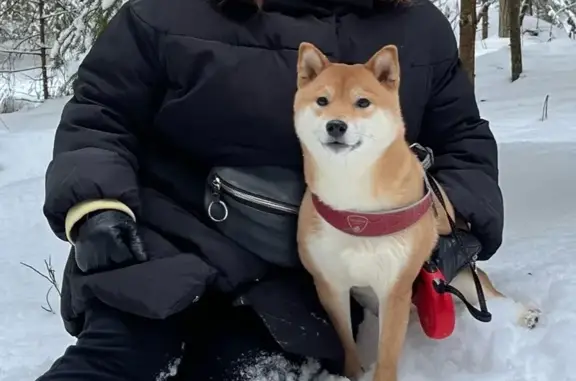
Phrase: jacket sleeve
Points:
(94, 162)
(466, 157)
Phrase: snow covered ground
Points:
(535, 262)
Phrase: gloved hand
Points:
(449, 255)
(107, 240)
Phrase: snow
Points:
(518, 107)
(107, 4)
(534, 264)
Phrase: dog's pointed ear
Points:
(385, 66)
(311, 62)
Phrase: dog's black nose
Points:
(336, 128)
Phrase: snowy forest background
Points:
(41, 44)
(43, 41)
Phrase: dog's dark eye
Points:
(363, 103)
(322, 101)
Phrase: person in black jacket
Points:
(172, 89)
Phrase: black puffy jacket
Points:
(174, 87)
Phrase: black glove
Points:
(107, 240)
(451, 257)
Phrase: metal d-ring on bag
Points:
(257, 207)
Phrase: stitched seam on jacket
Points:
(155, 29)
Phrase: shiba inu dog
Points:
(366, 222)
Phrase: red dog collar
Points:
(374, 224)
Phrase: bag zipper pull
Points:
(216, 201)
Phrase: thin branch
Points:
(8, 9)
(566, 7)
(25, 40)
(23, 52)
(51, 278)
(49, 309)
(12, 71)
(36, 271)
(45, 17)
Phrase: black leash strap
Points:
(482, 314)
(426, 157)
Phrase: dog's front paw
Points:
(353, 368)
(530, 317)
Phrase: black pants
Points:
(208, 342)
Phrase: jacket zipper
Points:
(220, 186)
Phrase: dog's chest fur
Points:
(368, 265)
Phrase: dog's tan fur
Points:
(397, 180)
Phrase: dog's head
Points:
(347, 111)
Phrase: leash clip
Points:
(424, 154)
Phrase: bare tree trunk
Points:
(43, 53)
(484, 17)
(523, 11)
(468, 36)
(504, 26)
(515, 39)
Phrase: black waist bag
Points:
(257, 207)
